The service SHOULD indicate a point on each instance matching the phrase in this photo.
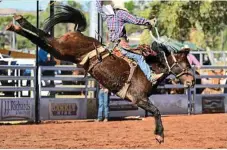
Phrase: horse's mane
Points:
(158, 50)
(157, 61)
(66, 14)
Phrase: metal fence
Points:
(58, 98)
(67, 98)
(215, 57)
(208, 102)
(14, 105)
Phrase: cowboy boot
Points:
(155, 77)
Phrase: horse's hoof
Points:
(17, 28)
(17, 17)
(159, 139)
(10, 27)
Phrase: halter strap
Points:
(184, 71)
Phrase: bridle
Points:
(175, 64)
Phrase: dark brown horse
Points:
(111, 71)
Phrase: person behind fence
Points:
(193, 61)
(43, 60)
(103, 104)
(116, 19)
(42, 57)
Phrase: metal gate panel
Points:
(63, 109)
(17, 109)
(214, 103)
(122, 108)
(17, 106)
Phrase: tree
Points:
(177, 19)
(130, 6)
(134, 9)
(3, 22)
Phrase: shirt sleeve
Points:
(99, 7)
(128, 18)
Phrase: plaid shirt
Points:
(116, 23)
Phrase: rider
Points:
(116, 19)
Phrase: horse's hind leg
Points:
(34, 39)
(148, 106)
(27, 25)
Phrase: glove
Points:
(153, 21)
(149, 26)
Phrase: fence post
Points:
(189, 101)
(37, 119)
(189, 93)
(194, 90)
(37, 95)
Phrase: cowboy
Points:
(116, 19)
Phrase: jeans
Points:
(140, 61)
(103, 104)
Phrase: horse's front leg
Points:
(159, 130)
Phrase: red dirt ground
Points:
(196, 131)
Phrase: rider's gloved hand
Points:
(149, 26)
(153, 22)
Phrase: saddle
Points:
(139, 50)
(142, 49)
(118, 53)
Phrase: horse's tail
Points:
(66, 14)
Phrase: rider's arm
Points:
(129, 18)
(99, 7)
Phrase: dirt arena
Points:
(196, 131)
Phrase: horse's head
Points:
(175, 63)
(181, 68)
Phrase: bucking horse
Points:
(115, 73)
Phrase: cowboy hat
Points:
(117, 6)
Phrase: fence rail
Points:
(214, 56)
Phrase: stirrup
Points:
(154, 80)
